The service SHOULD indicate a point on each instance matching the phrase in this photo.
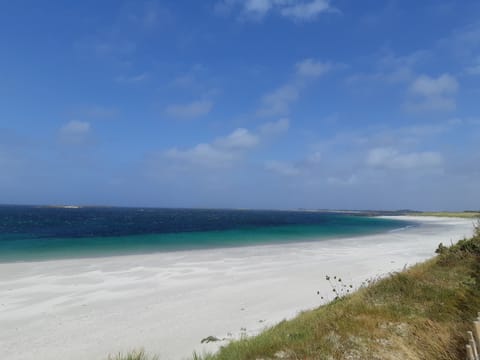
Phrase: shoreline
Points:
(174, 242)
(168, 302)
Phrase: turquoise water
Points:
(28, 233)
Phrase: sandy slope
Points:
(168, 302)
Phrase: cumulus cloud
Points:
(224, 150)
(191, 110)
(75, 132)
(297, 10)
(391, 158)
(430, 93)
(239, 139)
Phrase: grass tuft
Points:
(133, 355)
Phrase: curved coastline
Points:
(168, 302)
(32, 247)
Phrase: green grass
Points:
(465, 214)
(134, 355)
(421, 313)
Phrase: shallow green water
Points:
(36, 234)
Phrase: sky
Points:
(273, 104)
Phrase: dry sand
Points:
(168, 302)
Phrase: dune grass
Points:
(421, 313)
(134, 355)
(464, 214)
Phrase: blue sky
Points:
(241, 103)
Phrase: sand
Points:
(168, 302)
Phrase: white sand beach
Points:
(168, 302)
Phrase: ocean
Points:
(30, 233)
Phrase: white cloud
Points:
(225, 150)
(222, 152)
(430, 93)
(203, 155)
(239, 139)
(306, 10)
(76, 127)
(278, 102)
(312, 68)
(258, 6)
(191, 110)
(275, 127)
(427, 86)
(391, 158)
(298, 10)
(74, 132)
(282, 168)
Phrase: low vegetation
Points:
(420, 313)
(464, 214)
(134, 355)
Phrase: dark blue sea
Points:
(41, 233)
